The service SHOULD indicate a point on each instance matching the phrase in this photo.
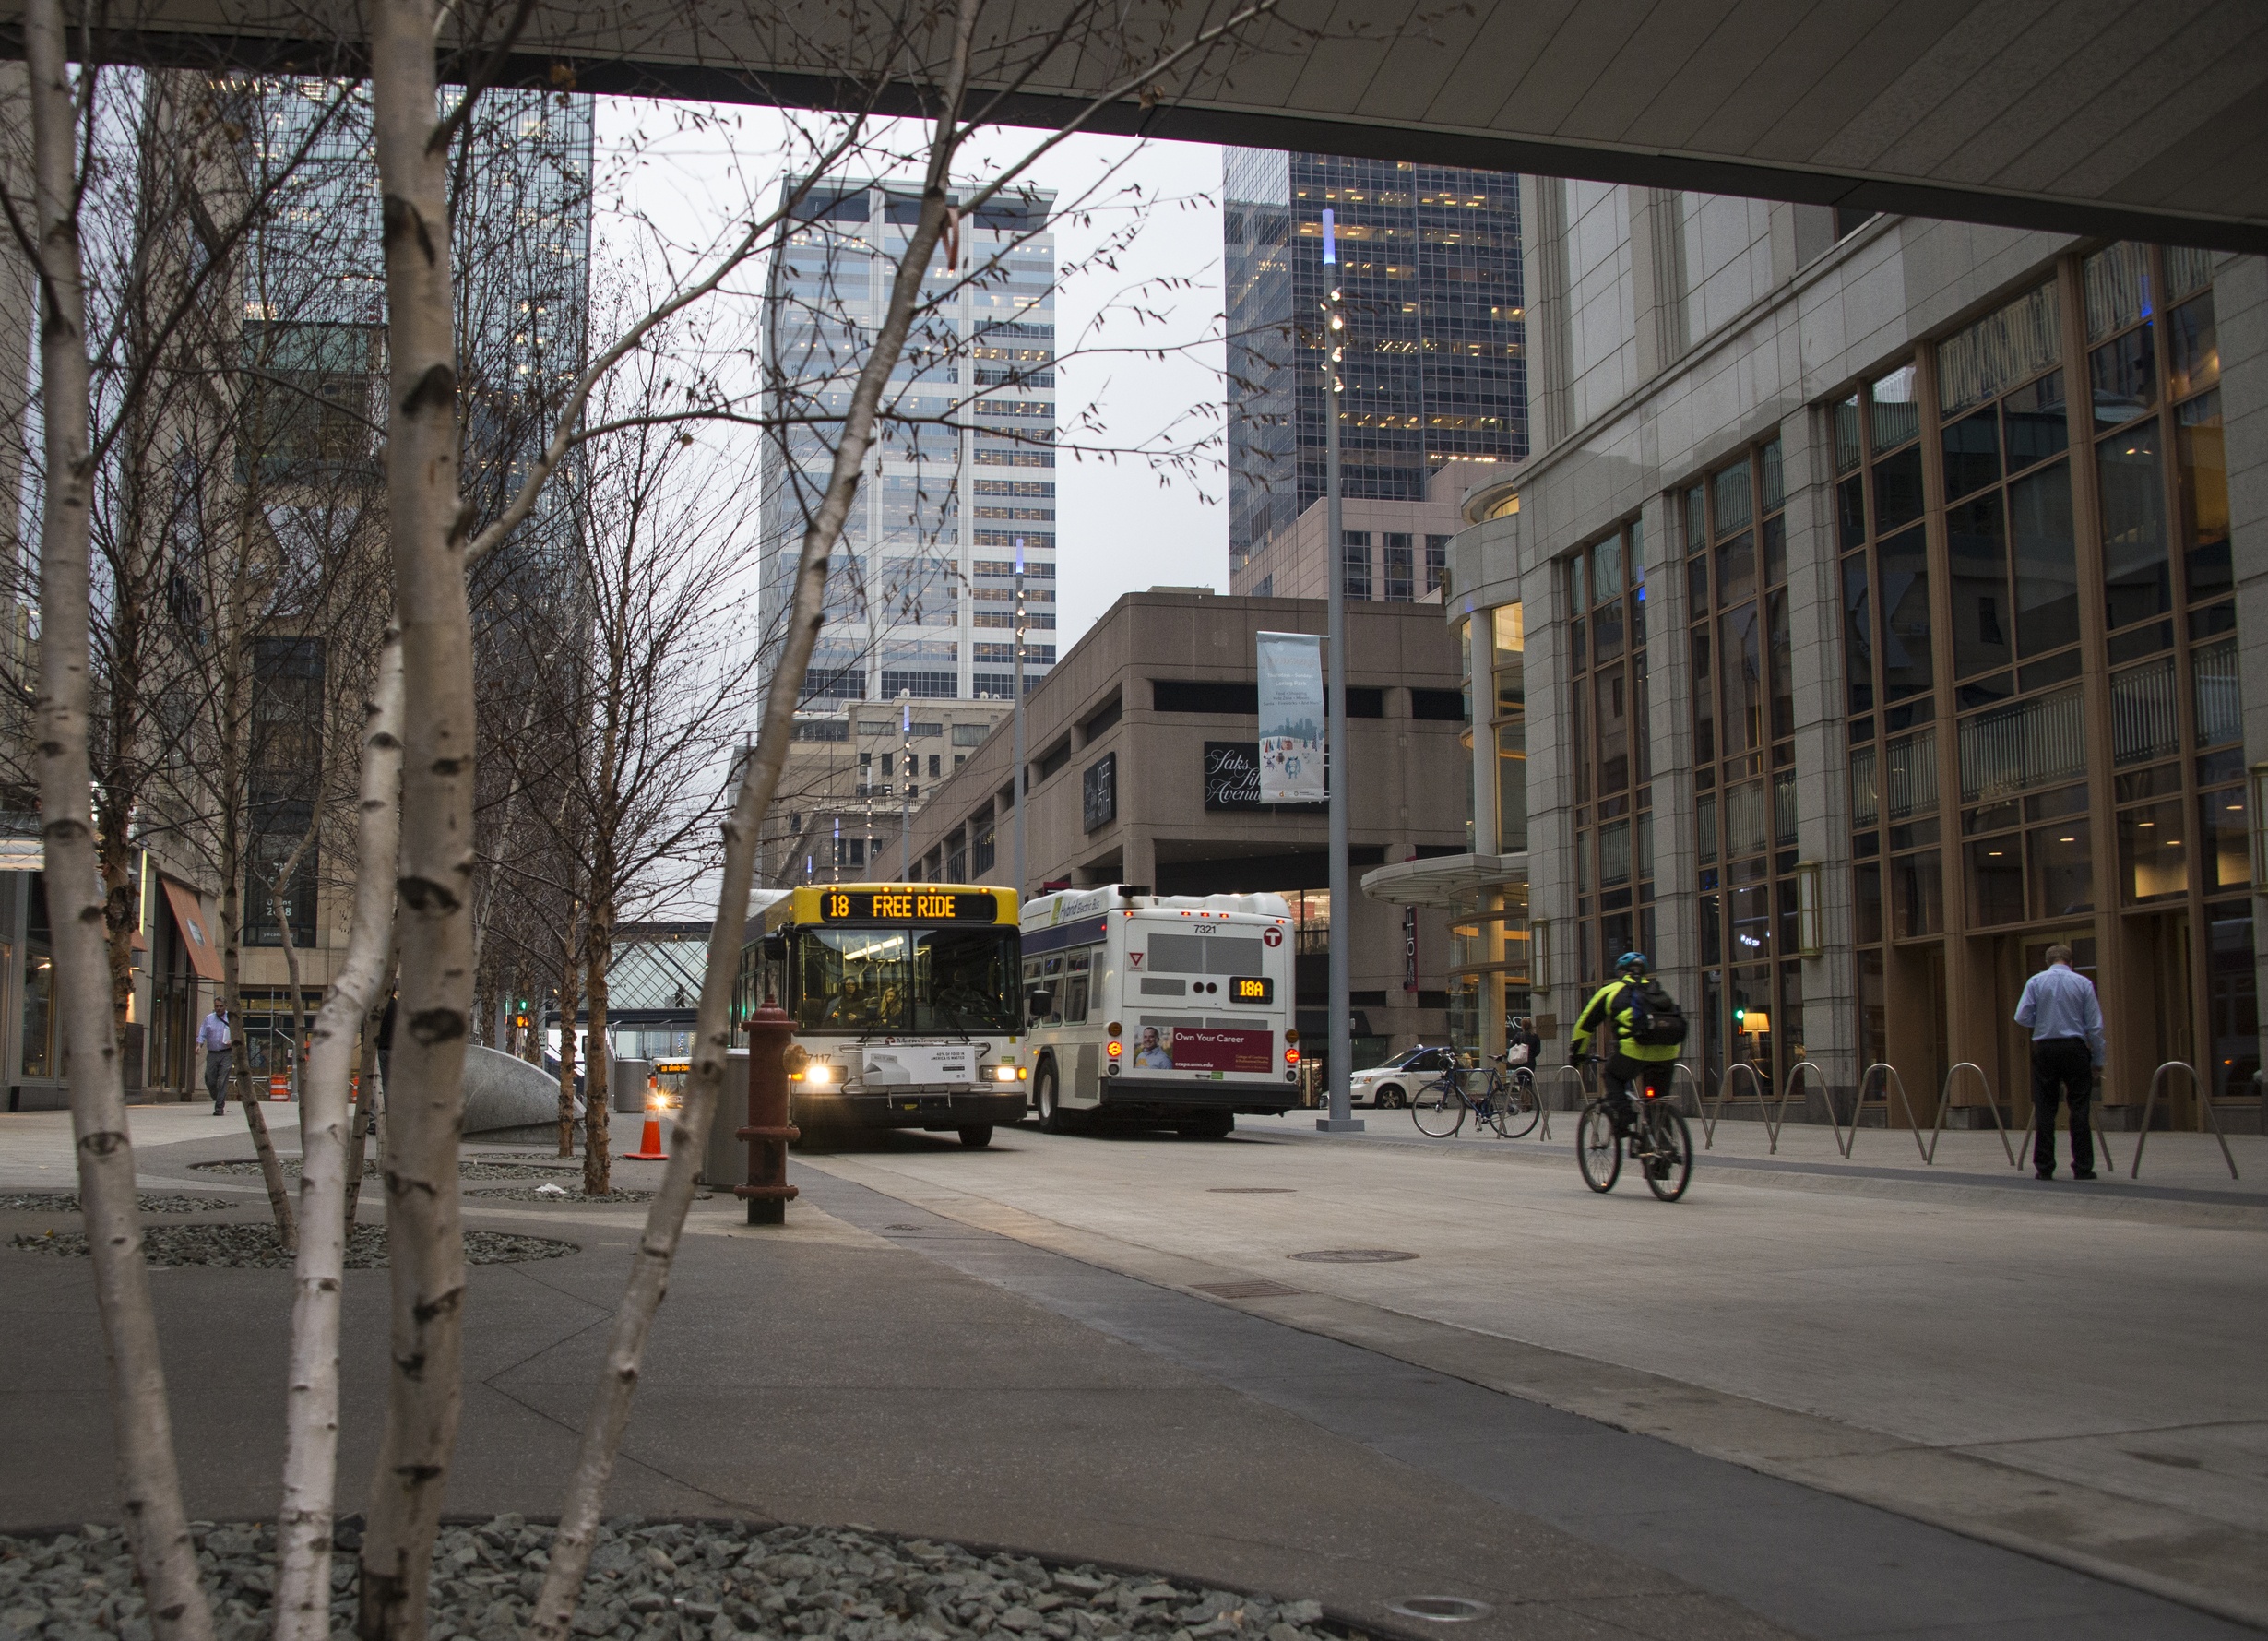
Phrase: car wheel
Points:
(1391, 1097)
(1052, 1117)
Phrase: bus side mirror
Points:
(1042, 1004)
(774, 947)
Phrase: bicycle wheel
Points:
(1518, 1110)
(1669, 1151)
(1438, 1109)
(1598, 1149)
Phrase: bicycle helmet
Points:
(1627, 961)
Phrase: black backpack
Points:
(1656, 1020)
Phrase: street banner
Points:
(1291, 719)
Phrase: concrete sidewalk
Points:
(2064, 1371)
(819, 1374)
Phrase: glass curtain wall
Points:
(1611, 751)
(1744, 758)
(2064, 672)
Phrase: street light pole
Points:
(1017, 783)
(905, 797)
(1336, 770)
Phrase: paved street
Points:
(1601, 1417)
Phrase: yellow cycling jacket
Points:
(1606, 1008)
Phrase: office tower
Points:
(920, 597)
(1428, 257)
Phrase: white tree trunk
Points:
(649, 1275)
(310, 1411)
(141, 1425)
(426, 1098)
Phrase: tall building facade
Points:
(1869, 619)
(920, 597)
(1435, 372)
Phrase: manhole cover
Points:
(1353, 1256)
(1250, 1190)
(1441, 1609)
(1255, 1290)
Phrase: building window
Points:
(1736, 579)
(1605, 587)
(1436, 562)
(2064, 823)
(1401, 568)
(1355, 562)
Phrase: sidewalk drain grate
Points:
(1441, 1609)
(1251, 1191)
(1257, 1290)
(1353, 1256)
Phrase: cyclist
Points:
(1623, 1014)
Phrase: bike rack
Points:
(1944, 1104)
(1789, 1089)
(1583, 1092)
(1912, 1123)
(2204, 1104)
(1701, 1109)
(1775, 1112)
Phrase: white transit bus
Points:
(1162, 1008)
(905, 1000)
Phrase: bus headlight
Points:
(1006, 1074)
(818, 1074)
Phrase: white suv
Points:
(1390, 1085)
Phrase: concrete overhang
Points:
(2138, 120)
(1442, 880)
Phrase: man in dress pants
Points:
(2066, 1022)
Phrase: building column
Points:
(1830, 1024)
(1550, 783)
(2240, 316)
(1670, 737)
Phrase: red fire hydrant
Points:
(769, 1131)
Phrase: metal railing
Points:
(1893, 1081)
(2204, 1105)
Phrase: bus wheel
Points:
(1053, 1119)
(977, 1136)
(1210, 1126)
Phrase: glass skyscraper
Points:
(920, 597)
(1429, 260)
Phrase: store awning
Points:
(1441, 880)
(195, 931)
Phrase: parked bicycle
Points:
(1505, 1100)
(1659, 1142)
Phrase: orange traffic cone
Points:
(650, 1142)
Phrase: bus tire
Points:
(1206, 1125)
(1047, 1095)
(977, 1136)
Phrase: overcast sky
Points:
(1121, 525)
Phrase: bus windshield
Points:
(868, 980)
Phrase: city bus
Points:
(905, 997)
(1160, 1008)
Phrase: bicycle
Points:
(1508, 1104)
(1660, 1143)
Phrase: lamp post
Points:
(1015, 785)
(905, 798)
(1341, 1119)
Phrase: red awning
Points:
(195, 931)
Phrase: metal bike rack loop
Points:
(2204, 1102)
(1893, 1081)
(1788, 1089)
(1775, 1112)
(1944, 1104)
(1583, 1093)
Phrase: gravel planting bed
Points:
(467, 1169)
(664, 1581)
(66, 1202)
(255, 1247)
(557, 1193)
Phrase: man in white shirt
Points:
(2066, 1022)
(213, 1038)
